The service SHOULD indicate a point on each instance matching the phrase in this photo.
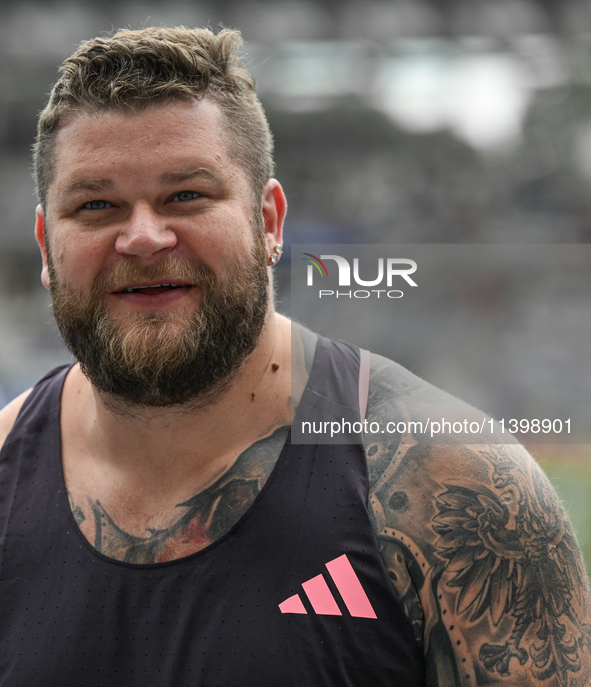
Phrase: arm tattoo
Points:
(481, 553)
(511, 552)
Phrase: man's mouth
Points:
(153, 289)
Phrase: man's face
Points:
(155, 256)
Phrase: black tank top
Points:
(295, 594)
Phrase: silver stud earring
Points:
(276, 254)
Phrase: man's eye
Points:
(97, 205)
(184, 196)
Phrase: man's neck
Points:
(155, 445)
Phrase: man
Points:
(157, 525)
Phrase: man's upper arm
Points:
(8, 415)
(479, 549)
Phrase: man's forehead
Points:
(188, 137)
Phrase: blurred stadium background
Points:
(400, 121)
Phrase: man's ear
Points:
(40, 236)
(274, 209)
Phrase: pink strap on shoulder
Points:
(364, 366)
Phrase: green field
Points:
(569, 469)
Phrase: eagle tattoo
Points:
(510, 550)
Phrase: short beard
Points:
(158, 360)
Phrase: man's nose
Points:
(145, 233)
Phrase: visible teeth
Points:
(135, 289)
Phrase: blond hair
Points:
(138, 69)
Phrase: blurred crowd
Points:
(395, 122)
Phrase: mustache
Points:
(170, 268)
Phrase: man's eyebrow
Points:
(82, 184)
(177, 177)
(169, 178)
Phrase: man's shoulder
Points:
(9, 413)
(421, 433)
(475, 540)
(401, 402)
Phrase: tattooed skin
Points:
(77, 512)
(202, 519)
(478, 547)
(209, 514)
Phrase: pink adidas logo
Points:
(321, 598)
